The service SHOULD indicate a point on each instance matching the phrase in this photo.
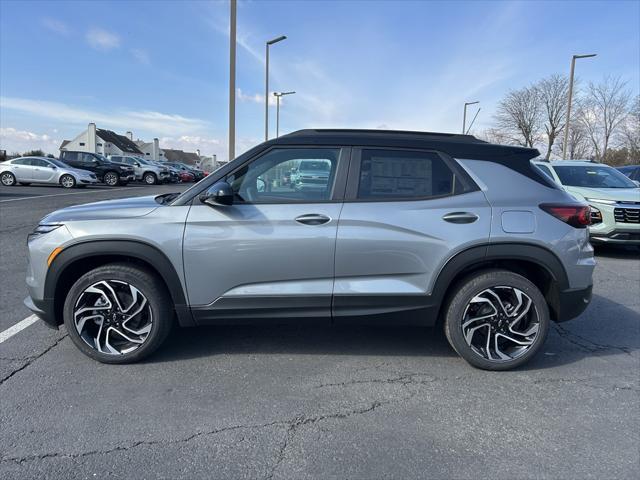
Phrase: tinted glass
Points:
(287, 176)
(592, 177)
(389, 174)
(22, 161)
(37, 162)
(88, 158)
(70, 156)
(546, 171)
(58, 163)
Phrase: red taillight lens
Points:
(578, 216)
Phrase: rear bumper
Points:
(43, 310)
(571, 303)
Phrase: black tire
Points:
(7, 179)
(67, 181)
(25, 184)
(111, 178)
(150, 178)
(149, 285)
(472, 287)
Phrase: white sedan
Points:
(27, 170)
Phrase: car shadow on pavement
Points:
(622, 252)
(606, 328)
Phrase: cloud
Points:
(151, 122)
(102, 39)
(142, 56)
(191, 143)
(13, 140)
(56, 26)
(255, 98)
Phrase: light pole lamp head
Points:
(588, 55)
(276, 40)
(471, 103)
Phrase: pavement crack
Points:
(586, 344)
(31, 359)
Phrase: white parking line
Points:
(71, 193)
(21, 325)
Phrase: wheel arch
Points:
(77, 259)
(538, 264)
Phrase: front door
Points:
(42, 170)
(271, 253)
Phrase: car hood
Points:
(617, 194)
(108, 209)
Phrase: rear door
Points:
(22, 169)
(406, 212)
(271, 253)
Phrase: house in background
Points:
(151, 150)
(104, 142)
(188, 158)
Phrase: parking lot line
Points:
(21, 325)
(70, 193)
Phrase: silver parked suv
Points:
(145, 170)
(411, 228)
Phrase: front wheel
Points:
(118, 313)
(67, 181)
(111, 179)
(497, 320)
(8, 179)
(150, 178)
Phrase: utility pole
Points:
(266, 85)
(232, 80)
(464, 116)
(568, 120)
(278, 95)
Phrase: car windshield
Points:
(315, 166)
(592, 177)
(58, 163)
(142, 161)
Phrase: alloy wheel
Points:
(111, 179)
(67, 181)
(149, 179)
(8, 179)
(500, 323)
(113, 317)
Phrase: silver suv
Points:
(145, 171)
(411, 228)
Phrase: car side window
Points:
(405, 174)
(22, 161)
(287, 175)
(70, 157)
(36, 162)
(87, 158)
(546, 171)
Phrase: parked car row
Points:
(79, 169)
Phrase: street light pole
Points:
(232, 80)
(266, 85)
(568, 120)
(278, 95)
(464, 116)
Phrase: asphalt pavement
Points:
(308, 402)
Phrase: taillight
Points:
(578, 216)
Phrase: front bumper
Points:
(618, 236)
(43, 309)
(571, 303)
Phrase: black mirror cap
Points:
(220, 193)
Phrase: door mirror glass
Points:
(220, 194)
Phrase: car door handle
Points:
(460, 217)
(313, 219)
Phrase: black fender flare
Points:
(476, 255)
(125, 248)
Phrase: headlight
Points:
(41, 230)
(596, 215)
(601, 200)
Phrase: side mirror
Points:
(220, 194)
(636, 182)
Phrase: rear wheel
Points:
(118, 313)
(111, 179)
(8, 179)
(67, 181)
(497, 320)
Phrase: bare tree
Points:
(553, 95)
(603, 111)
(518, 116)
(631, 130)
(578, 145)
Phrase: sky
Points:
(161, 68)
